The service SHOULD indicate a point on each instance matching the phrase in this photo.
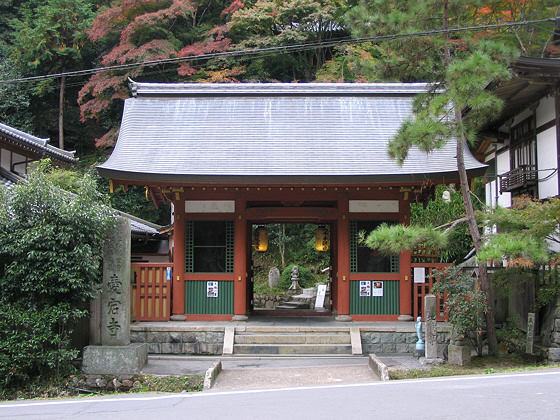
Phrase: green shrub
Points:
(34, 343)
(510, 336)
(306, 278)
(50, 266)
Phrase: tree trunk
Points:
(477, 241)
(61, 113)
(469, 210)
(282, 245)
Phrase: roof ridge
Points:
(288, 89)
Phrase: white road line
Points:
(96, 400)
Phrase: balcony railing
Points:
(521, 177)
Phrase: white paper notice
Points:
(419, 275)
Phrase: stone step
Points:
(293, 305)
(284, 349)
(292, 338)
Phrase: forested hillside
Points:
(212, 41)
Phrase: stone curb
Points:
(212, 373)
(378, 367)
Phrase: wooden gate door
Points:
(151, 291)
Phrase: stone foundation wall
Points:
(396, 342)
(210, 340)
(181, 342)
(269, 302)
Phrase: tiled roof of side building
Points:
(271, 133)
(35, 144)
(7, 178)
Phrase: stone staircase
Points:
(293, 306)
(290, 341)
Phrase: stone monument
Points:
(430, 310)
(115, 354)
(459, 350)
(530, 347)
(273, 277)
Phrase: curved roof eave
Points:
(151, 178)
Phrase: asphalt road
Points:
(526, 395)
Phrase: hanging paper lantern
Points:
(322, 239)
(261, 239)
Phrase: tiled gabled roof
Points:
(271, 133)
(35, 145)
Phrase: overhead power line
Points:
(283, 49)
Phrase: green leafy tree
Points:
(50, 266)
(523, 233)
(526, 238)
(14, 99)
(455, 108)
(264, 24)
(398, 59)
(50, 38)
(448, 216)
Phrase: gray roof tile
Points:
(36, 144)
(272, 132)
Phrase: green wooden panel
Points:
(196, 301)
(388, 304)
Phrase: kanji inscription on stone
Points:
(115, 298)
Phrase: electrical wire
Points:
(276, 50)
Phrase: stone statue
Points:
(420, 342)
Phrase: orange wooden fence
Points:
(151, 292)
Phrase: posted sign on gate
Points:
(212, 289)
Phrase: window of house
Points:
(209, 246)
(367, 260)
(524, 144)
(523, 158)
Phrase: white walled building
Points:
(522, 147)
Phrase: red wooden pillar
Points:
(240, 262)
(343, 257)
(179, 259)
(405, 269)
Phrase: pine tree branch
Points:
(451, 225)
